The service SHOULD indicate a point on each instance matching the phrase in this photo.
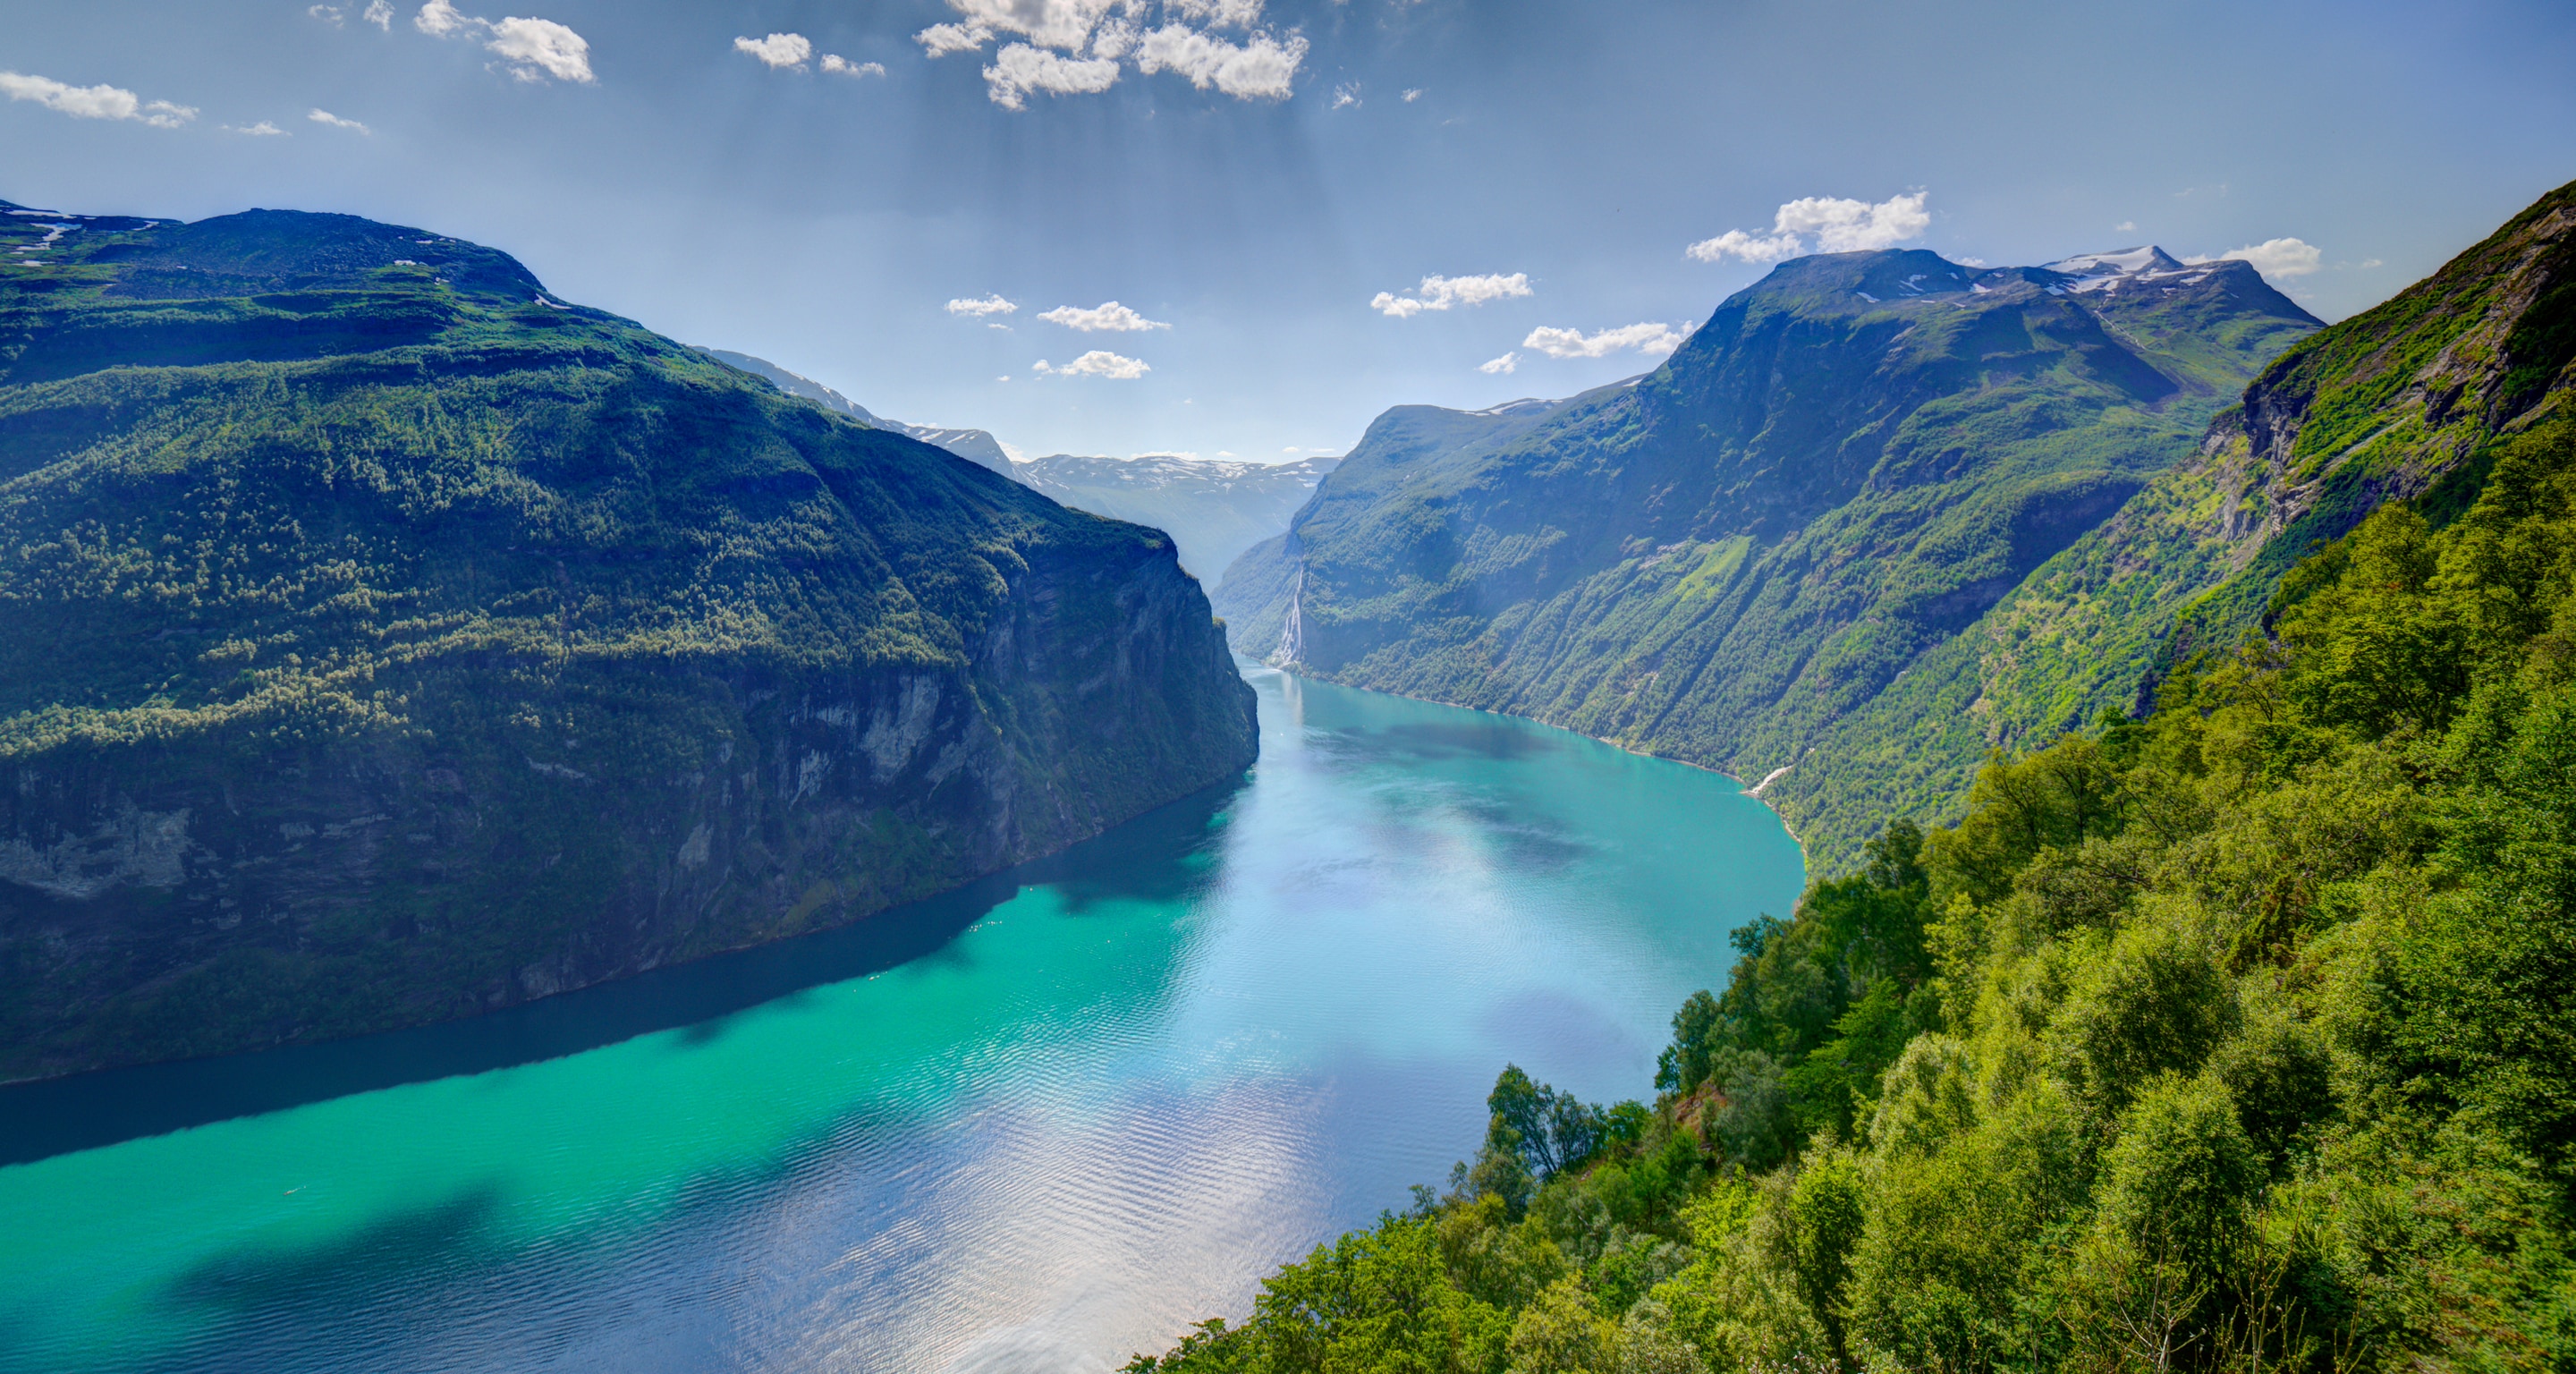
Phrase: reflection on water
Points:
(1029, 1126)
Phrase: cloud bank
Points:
(791, 51)
(1080, 47)
(1099, 362)
(1648, 337)
(2275, 257)
(531, 49)
(1442, 293)
(1108, 316)
(1839, 226)
(95, 102)
(778, 49)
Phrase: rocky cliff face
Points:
(383, 641)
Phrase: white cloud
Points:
(841, 66)
(1064, 24)
(2125, 226)
(1099, 362)
(2275, 257)
(262, 129)
(336, 122)
(534, 46)
(1839, 226)
(979, 307)
(328, 14)
(1509, 362)
(1735, 243)
(1019, 69)
(532, 49)
(1109, 316)
(778, 49)
(439, 18)
(1441, 293)
(381, 14)
(939, 40)
(1292, 448)
(1348, 93)
(95, 102)
(1574, 343)
(1222, 14)
(1070, 47)
(1413, 94)
(1259, 68)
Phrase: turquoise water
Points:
(1034, 1126)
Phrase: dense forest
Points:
(2240, 1037)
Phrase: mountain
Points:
(2407, 401)
(973, 445)
(1848, 465)
(1213, 508)
(2238, 1027)
(383, 640)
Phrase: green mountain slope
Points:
(974, 445)
(1849, 464)
(382, 640)
(2404, 401)
(2231, 1040)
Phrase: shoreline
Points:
(1805, 866)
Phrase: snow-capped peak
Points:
(2123, 262)
(2108, 271)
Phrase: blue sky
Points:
(1246, 178)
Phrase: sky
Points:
(1243, 228)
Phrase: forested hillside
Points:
(2400, 401)
(383, 640)
(2237, 1038)
(1843, 469)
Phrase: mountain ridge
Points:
(383, 640)
(1849, 463)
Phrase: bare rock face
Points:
(383, 642)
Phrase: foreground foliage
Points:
(2237, 1038)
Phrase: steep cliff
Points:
(382, 640)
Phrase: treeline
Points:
(2239, 1038)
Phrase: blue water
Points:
(1035, 1125)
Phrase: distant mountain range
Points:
(1845, 469)
(383, 640)
(1213, 509)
